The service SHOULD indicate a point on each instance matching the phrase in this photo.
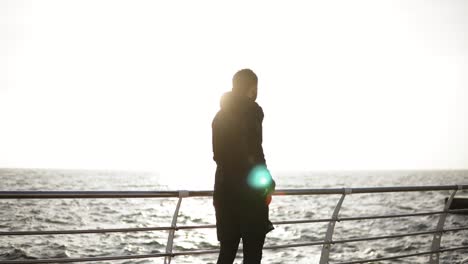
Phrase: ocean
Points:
(59, 214)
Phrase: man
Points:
(243, 185)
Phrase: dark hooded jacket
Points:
(237, 149)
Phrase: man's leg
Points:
(252, 248)
(228, 251)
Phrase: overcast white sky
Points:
(135, 84)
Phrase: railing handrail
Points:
(326, 243)
(184, 227)
(206, 193)
(207, 251)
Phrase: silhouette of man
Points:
(243, 185)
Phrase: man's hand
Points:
(260, 179)
(270, 188)
(268, 199)
(269, 191)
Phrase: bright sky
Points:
(135, 84)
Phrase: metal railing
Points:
(326, 243)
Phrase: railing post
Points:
(331, 227)
(170, 237)
(434, 259)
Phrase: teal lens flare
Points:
(259, 177)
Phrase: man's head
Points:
(245, 82)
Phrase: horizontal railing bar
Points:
(195, 252)
(194, 227)
(165, 228)
(398, 235)
(303, 221)
(95, 194)
(206, 251)
(165, 194)
(19, 233)
(84, 259)
(99, 231)
(458, 211)
(403, 256)
(84, 231)
(138, 229)
(339, 219)
(314, 243)
(386, 216)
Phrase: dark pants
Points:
(252, 248)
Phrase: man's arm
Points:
(257, 157)
(255, 137)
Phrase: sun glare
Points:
(135, 85)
